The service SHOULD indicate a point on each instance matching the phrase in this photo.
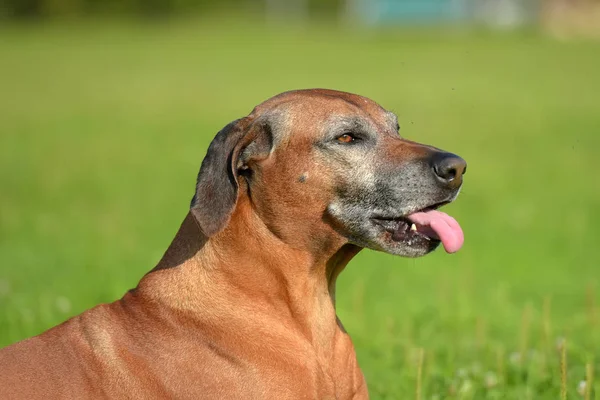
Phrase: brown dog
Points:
(242, 305)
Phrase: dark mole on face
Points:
(302, 178)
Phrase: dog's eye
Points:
(346, 138)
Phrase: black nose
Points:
(449, 168)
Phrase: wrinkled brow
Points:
(340, 123)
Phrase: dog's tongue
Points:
(441, 226)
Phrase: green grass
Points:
(103, 128)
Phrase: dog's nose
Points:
(449, 168)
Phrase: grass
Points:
(103, 127)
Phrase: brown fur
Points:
(241, 306)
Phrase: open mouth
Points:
(426, 227)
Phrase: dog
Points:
(242, 304)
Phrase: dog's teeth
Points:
(413, 228)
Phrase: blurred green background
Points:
(106, 114)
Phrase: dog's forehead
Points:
(313, 106)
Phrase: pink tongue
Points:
(440, 226)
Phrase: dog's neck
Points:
(246, 261)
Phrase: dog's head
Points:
(322, 168)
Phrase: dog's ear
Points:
(217, 186)
(228, 155)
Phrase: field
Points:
(103, 127)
